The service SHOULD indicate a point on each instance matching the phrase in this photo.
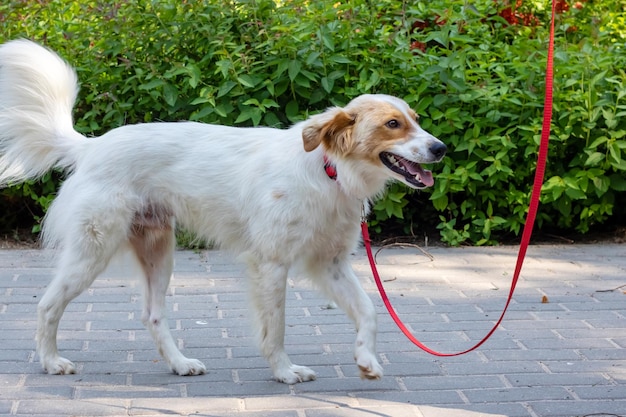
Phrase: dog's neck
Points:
(353, 184)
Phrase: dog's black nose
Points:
(438, 149)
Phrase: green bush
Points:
(476, 79)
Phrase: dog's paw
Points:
(189, 367)
(58, 366)
(295, 374)
(369, 367)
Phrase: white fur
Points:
(254, 191)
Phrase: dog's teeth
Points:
(395, 162)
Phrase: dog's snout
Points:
(438, 149)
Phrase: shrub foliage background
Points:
(473, 71)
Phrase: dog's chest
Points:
(324, 227)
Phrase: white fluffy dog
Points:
(262, 193)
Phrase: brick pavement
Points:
(566, 357)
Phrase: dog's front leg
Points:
(340, 283)
(267, 296)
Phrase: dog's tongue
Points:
(422, 175)
(426, 177)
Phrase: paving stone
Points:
(91, 407)
(213, 406)
(578, 408)
(453, 382)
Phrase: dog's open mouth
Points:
(412, 172)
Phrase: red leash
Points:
(528, 228)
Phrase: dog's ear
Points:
(333, 128)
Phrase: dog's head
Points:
(380, 130)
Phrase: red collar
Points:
(330, 169)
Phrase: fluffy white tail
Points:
(37, 94)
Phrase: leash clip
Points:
(363, 214)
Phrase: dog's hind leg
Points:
(154, 247)
(81, 261)
(267, 295)
(340, 283)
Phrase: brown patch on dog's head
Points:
(381, 124)
(333, 128)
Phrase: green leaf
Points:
(226, 88)
(248, 81)
(621, 165)
(440, 203)
(575, 194)
(200, 100)
(292, 111)
(609, 118)
(170, 94)
(599, 141)
(340, 59)
(253, 113)
(199, 115)
(267, 103)
(594, 159)
(439, 100)
(270, 119)
(194, 75)
(328, 84)
(252, 101)
(223, 110)
(302, 81)
(602, 184)
(312, 58)
(294, 69)
(152, 84)
(615, 152)
(327, 39)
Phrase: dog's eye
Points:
(393, 124)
